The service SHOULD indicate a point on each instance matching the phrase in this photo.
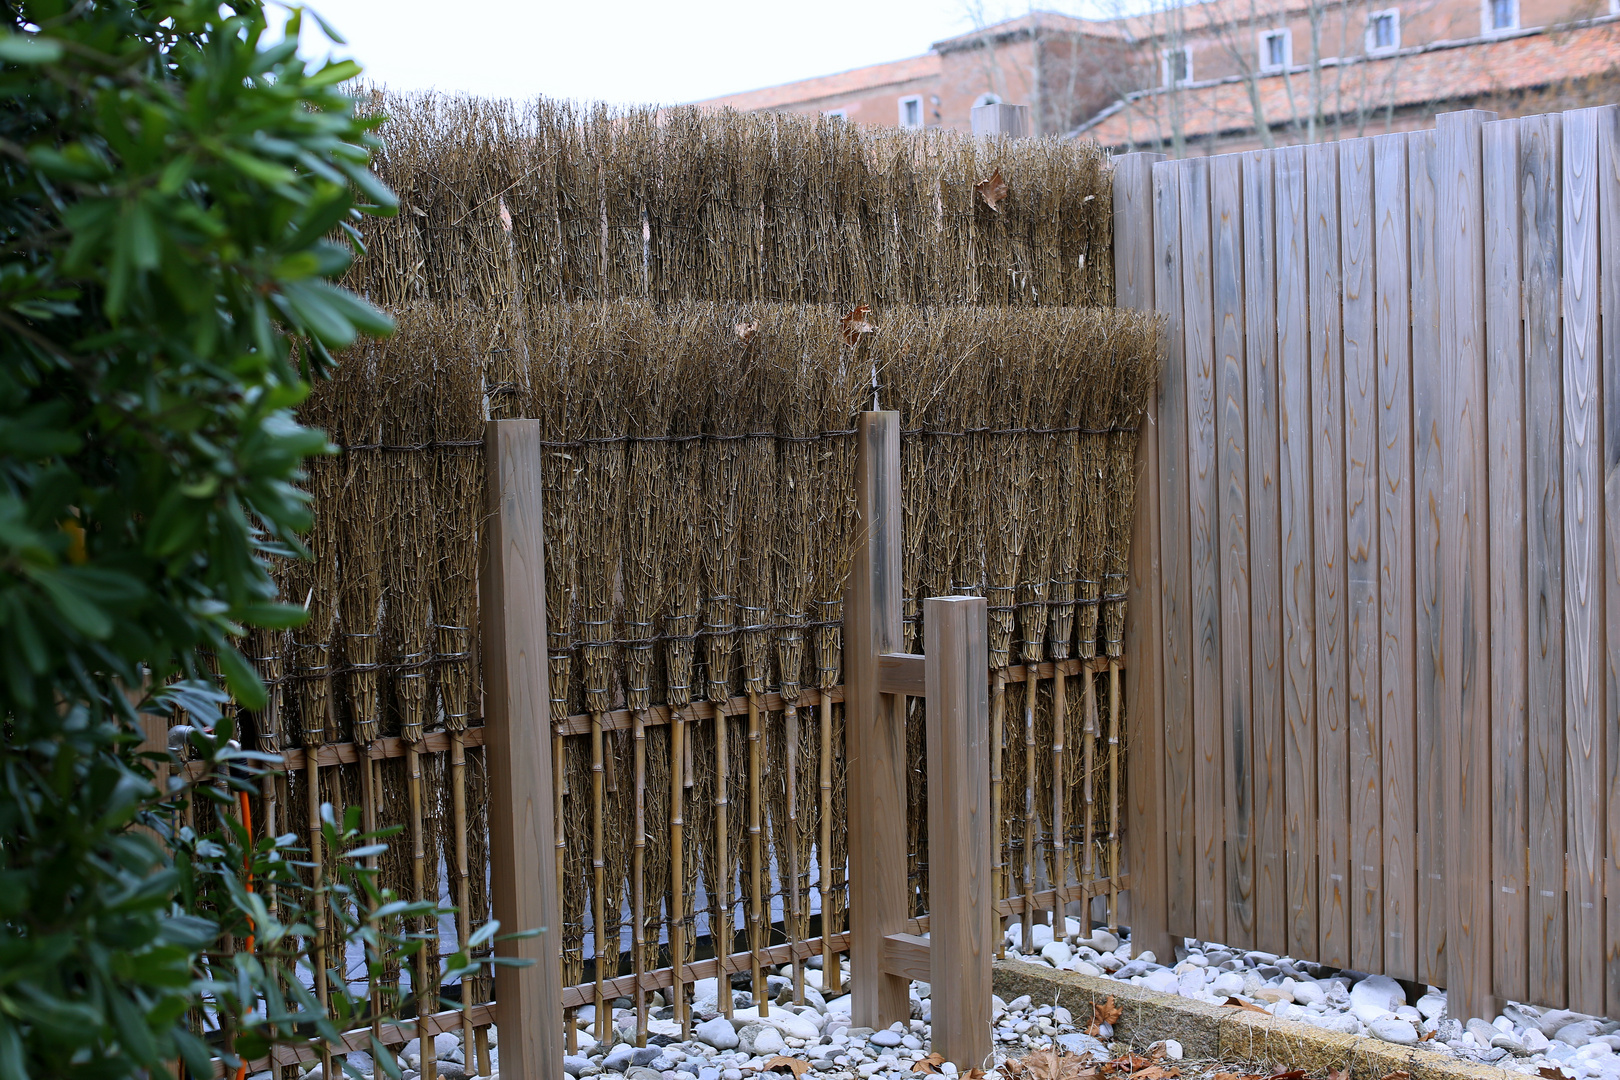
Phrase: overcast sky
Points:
(635, 50)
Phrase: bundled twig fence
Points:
(695, 306)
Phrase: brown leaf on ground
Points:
(779, 1062)
(993, 190)
(1105, 1012)
(1126, 1065)
(855, 325)
(1338, 1074)
(1051, 1064)
(1427, 1035)
(973, 1074)
(1291, 1074)
(1398, 1074)
(1156, 1072)
(1552, 1072)
(1239, 1003)
(1233, 1076)
(747, 331)
(929, 1064)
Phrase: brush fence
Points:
(698, 470)
(548, 202)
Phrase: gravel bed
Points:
(1523, 1038)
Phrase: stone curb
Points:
(1218, 1031)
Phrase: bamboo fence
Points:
(695, 306)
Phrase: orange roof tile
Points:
(826, 86)
(1444, 71)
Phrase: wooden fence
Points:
(1379, 555)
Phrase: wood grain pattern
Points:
(1465, 589)
(1175, 556)
(1396, 616)
(873, 734)
(1608, 183)
(1232, 476)
(1144, 639)
(1504, 390)
(1328, 551)
(1428, 496)
(1265, 552)
(1357, 262)
(1298, 558)
(1583, 566)
(962, 919)
(1203, 490)
(1541, 262)
(523, 886)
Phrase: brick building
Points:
(1226, 75)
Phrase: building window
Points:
(911, 114)
(1384, 31)
(1178, 66)
(1276, 49)
(1500, 16)
(995, 99)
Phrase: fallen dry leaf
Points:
(1427, 1035)
(929, 1064)
(993, 190)
(1398, 1074)
(855, 325)
(1338, 1074)
(1231, 1076)
(1551, 1072)
(1239, 1003)
(1291, 1074)
(747, 331)
(1050, 1064)
(779, 1062)
(974, 1074)
(1106, 1012)
(1156, 1072)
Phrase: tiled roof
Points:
(826, 86)
(1045, 20)
(1444, 71)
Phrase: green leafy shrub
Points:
(171, 191)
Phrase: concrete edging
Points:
(1220, 1031)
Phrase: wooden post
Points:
(1145, 821)
(875, 738)
(962, 922)
(528, 1004)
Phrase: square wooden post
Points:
(962, 920)
(528, 1000)
(874, 729)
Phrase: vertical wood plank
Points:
(517, 702)
(1232, 472)
(1298, 558)
(962, 923)
(1465, 591)
(1361, 415)
(1265, 552)
(1144, 639)
(1204, 570)
(1504, 388)
(1175, 556)
(1397, 658)
(1428, 496)
(1608, 181)
(874, 735)
(1538, 204)
(1328, 551)
(1583, 566)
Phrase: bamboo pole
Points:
(1089, 851)
(1060, 862)
(755, 857)
(313, 781)
(998, 871)
(458, 787)
(722, 934)
(830, 970)
(603, 1021)
(1029, 806)
(570, 1029)
(677, 869)
(413, 762)
(1113, 792)
(794, 929)
(637, 880)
